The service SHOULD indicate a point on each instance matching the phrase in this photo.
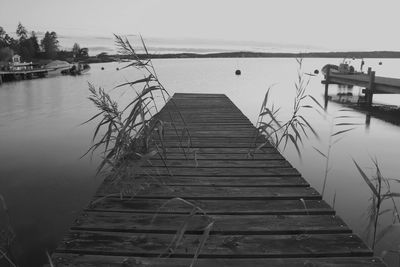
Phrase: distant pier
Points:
(264, 212)
(372, 84)
(16, 75)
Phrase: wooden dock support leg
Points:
(367, 120)
(370, 91)
(326, 88)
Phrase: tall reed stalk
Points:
(381, 192)
(130, 136)
(133, 135)
(339, 126)
(296, 127)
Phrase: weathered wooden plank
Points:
(214, 142)
(220, 150)
(223, 114)
(180, 110)
(211, 140)
(197, 113)
(279, 181)
(223, 224)
(196, 95)
(231, 207)
(220, 116)
(204, 118)
(203, 156)
(205, 135)
(220, 163)
(183, 106)
(216, 246)
(70, 259)
(211, 192)
(214, 171)
(203, 144)
(218, 125)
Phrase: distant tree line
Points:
(27, 46)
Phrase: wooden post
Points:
(327, 78)
(371, 85)
(367, 120)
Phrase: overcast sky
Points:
(332, 25)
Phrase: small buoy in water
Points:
(102, 68)
(316, 71)
(238, 72)
(117, 68)
(380, 62)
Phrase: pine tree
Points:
(22, 33)
(49, 44)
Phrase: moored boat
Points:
(76, 69)
(343, 68)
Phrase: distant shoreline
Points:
(350, 54)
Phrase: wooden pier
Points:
(372, 84)
(264, 212)
(22, 74)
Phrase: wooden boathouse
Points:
(258, 211)
(17, 70)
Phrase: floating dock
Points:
(264, 212)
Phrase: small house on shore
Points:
(16, 64)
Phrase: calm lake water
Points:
(46, 184)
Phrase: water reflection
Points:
(345, 97)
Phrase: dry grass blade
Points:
(367, 180)
(144, 80)
(203, 240)
(195, 159)
(49, 259)
(344, 117)
(390, 195)
(304, 205)
(144, 45)
(342, 131)
(319, 151)
(184, 201)
(347, 124)
(334, 201)
(176, 241)
(294, 141)
(4, 255)
(316, 101)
